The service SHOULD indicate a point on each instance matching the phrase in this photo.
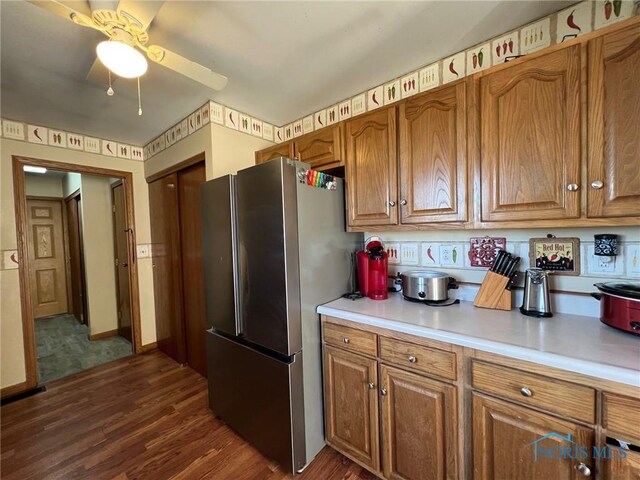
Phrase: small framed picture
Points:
(559, 255)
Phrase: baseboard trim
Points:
(102, 335)
(149, 347)
(13, 389)
(24, 394)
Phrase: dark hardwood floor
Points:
(136, 418)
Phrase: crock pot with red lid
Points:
(620, 305)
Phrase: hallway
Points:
(64, 348)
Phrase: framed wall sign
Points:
(560, 255)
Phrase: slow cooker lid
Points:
(424, 274)
(622, 289)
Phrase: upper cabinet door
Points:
(371, 168)
(530, 139)
(614, 124)
(280, 150)
(321, 149)
(433, 157)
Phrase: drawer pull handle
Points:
(345, 339)
(383, 391)
(583, 469)
(371, 385)
(526, 392)
(412, 359)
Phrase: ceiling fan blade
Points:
(62, 10)
(144, 11)
(186, 67)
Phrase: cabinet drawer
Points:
(622, 416)
(351, 339)
(418, 357)
(567, 399)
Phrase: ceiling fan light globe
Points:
(122, 59)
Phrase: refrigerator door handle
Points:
(237, 291)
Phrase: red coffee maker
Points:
(373, 268)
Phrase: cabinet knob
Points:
(392, 203)
(526, 392)
(383, 391)
(403, 202)
(371, 385)
(597, 184)
(345, 339)
(572, 187)
(583, 469)
(412, 359)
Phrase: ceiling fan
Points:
(126, 27)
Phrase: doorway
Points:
(178, 274)
(78, 276)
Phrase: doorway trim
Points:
(20, 205)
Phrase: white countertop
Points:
(569, 342)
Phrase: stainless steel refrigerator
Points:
(274, 248)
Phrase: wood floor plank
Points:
(141, 417)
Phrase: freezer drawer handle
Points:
(345, 340)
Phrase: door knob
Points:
(597, 184)
(371, 385)
(383, 391)
(583, 469)
(572, 187)
(392, 203)
(403, 202)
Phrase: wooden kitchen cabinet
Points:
(322, 149)
(613, 124)
(433, 156)
(351, 405)
(418, 426)
(281, 150)
(371, 168)
(529, 139)
(627, 468)
(503, 443)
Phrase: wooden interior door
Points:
(503, 442)
(189, 181)
(76, 258)
(321, 149)
(371, 168)
(167, 271)
(47, 264)
(418, 426)
(614, 119)
(433, 156)
(530, 139)
(351, 405)
(121, 238)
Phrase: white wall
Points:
(99, 256)
(42, 185)
(71, 183)
(11, 342)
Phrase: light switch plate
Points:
(632, 259)
(142, 251)
(597, 266)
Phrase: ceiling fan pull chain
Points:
(139, 102)
(110, 90)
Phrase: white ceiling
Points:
(283, 59)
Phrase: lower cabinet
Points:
(418, 426)
(351, 405)
(627, 468)
(510, 441)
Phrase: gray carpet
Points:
(64, 348)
